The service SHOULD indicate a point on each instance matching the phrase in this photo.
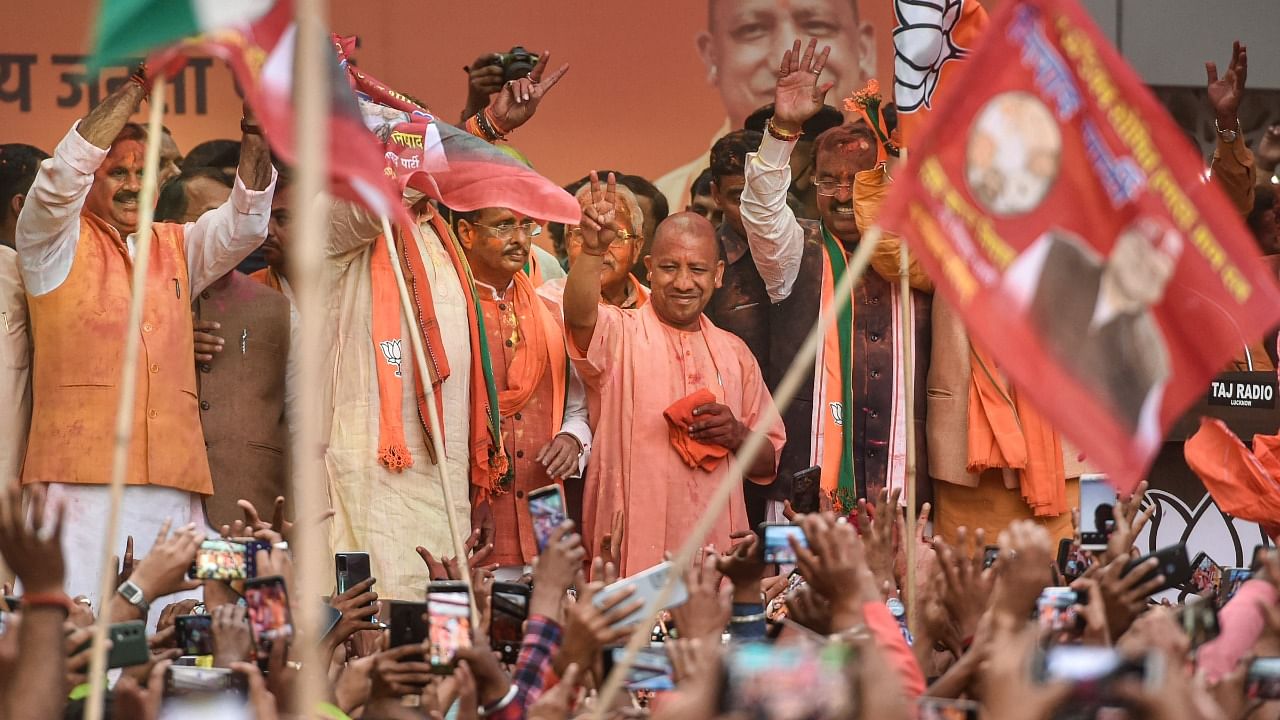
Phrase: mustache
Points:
(125, 196)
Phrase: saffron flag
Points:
(446, 163)
(1244, 483)
(1064, 214)
(128, 28)
(930, 40)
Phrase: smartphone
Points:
(408, 624)
(128, 644)
(219, 560)
(251, 549)
(14, 603)
(195, 634)
(1091, 671)
(183, 680)
(330, 617)
(1199, 619)
(1055, 609)
(1206, 576)
(1093, 541)
(943, 709)
(508, 609)
(650, 672)
(351, 568)
(448, 624)
(1263, 679)
(647, 584)
(1172, 563)
(776, 548)
(989, 555)
(267, 601)
(805, 486)
(787, 681)
(547, 508)
(1232, 579)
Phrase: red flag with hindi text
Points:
(1065, 215)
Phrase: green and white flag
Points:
(133, 28)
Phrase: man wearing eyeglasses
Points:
(619, 286)
(850, 419)
(541, 401)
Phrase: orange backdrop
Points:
(636, 97)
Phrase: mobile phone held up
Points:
(776, 546)
(647, 585)
(1092, 671)
(943, 709)
(1263, 679)
(509, 608)
(128, 644)
(195, 634)
(1206, 575)
(805, 487)
(1056, 610)
(350, 569)
(651, 670)
(787, 681)
(219, 560)
(267, 601)
(182, 681)
(448, 624)
(547, 508)
(1171, 562)
(408, 623)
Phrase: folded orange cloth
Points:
(679, 417)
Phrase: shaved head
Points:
(684, 269)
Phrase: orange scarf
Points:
(1006, 433)
(488, 462)
(268, 277)
(696, 454)
(542, 350)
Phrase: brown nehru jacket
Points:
(242, 396)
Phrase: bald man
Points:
(677, 395)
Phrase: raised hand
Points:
(966, 586)
(798, 96)
(484, 78)
(1225, 92)
(164, 570)
(32, 549)
(707, 611)
(1023, 570)
(232, 640)
(358, 608)
(1130, 519)
(599, 216)
(518, 100)
(555, 571)
(878, 534)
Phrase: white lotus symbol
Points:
(922, 44)
(391, 353)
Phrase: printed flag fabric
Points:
(1242, 482)
(931, 39)
(129, 28)
(1060, 209)
(447, 163)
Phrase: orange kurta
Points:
(77, 330)
(525, 431)
(638, 366)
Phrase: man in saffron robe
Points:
(663, 359)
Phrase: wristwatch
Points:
(131, 592)
(1228, 136)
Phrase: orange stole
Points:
(268, 277)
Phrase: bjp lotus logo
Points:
(922, 43)
(837, 413)
(391, 352)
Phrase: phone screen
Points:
(1232, 579)
(989, 555)
(351, 569)
(1205, 574)
(1199, 621)
(219, 560)
(1055, 609)
(651, 670)
(780, 682)
(510, 608)
(777, 545)
(805, 488)
(1263, 680)
(195, 634)
(181, 681)
(942, 709)
(268, 606)
(546, 507)
(448, 625)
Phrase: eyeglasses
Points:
(621, 237)
(830, 187)
(506, 231)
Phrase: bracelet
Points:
(501, 704)
(249, 128)
(487, 115)
(744, 619)
(780, 134)
(139, 77)
(53, 599)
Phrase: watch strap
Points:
(131, 592)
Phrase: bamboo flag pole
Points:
(909, 395)
(311, 63)
(782, 397)
(128, 391)
(433, 415)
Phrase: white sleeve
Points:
(575, 415)
(224, 236)
(49, 225)
(776, 239)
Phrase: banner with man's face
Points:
(1060, 209)
(650, 86)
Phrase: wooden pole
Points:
(128, 391)
(909, 395)
(313, 58)
(433, 415)
(782, 397)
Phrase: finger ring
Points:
(816, 72)
(1013, 554)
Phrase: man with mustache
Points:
(857, 431)
(75, 242)
(619, 286)
(540, 399)
(663, 359)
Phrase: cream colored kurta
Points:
(15, 367)
(383, 513)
